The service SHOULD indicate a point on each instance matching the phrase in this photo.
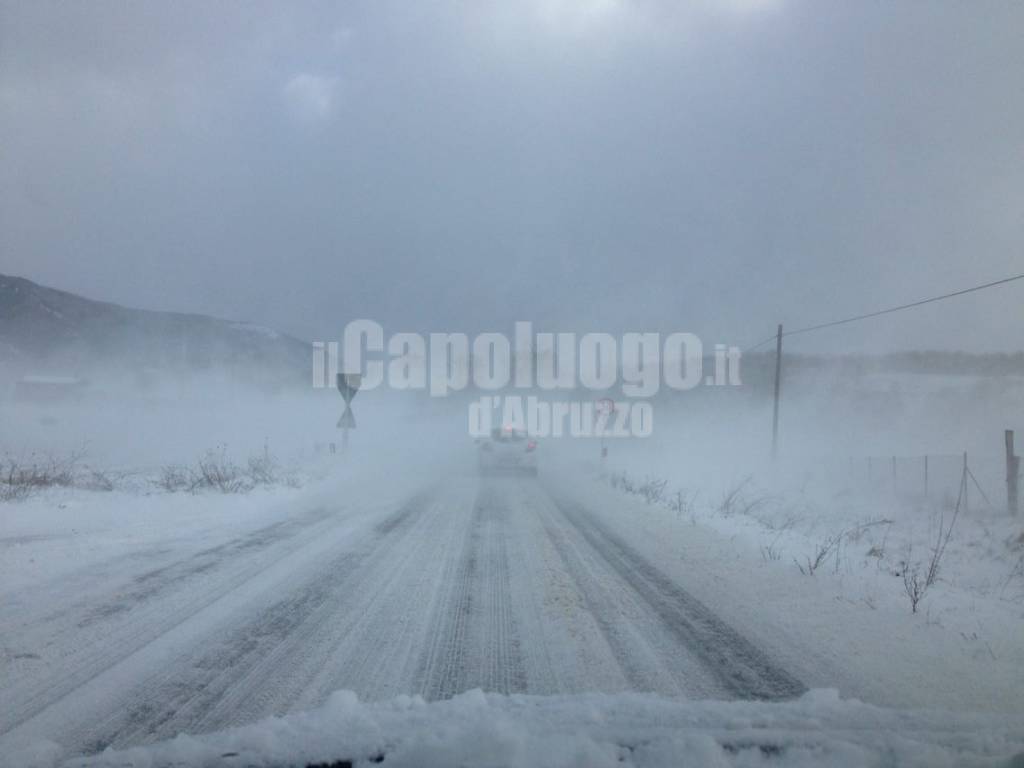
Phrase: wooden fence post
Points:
(1012, 474)
(778, 384)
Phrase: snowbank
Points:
(476, 729)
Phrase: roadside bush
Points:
(771, 552)
(652, 489)
(915, 583)
(15, 485)
(811, 564)
(99, 480)
(216, 471)
(20, 479)
(622, 481)
(173, 478)
(743, 499)
(833, 544)
(682, 502)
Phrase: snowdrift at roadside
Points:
(591, 730)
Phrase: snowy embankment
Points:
(816, 574)
(57, 528)
(592, 730)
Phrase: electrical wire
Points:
(901, 307)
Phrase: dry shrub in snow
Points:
(811, 564)
(652, 489)
(833, 544)
(173, 478)
(622, 481)
(1015, 575)
(216, 471)
(100, 480)
(917, 584)
(914, 584)
(682, 502)
(20, 479)
(744, 499)
(771, 552)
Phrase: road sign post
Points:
(348, 386)
(778, 381)
(606, 406)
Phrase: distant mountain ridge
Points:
(41, 325)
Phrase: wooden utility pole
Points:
(778, 381)
(1012, 474)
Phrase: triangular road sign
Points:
(348, 385)
(347, 420)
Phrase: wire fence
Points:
(935, 477)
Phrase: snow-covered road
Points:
(507, 584)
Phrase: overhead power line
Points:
(865, 316)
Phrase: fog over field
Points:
(568, 382)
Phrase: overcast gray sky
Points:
(591, 165)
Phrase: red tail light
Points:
(531, 445)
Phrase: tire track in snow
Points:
(740, 668)
(503, 668)
(109, 633)
(443, 662)
(148, 707)
(375, 650)
(624, 622)
(475, 640)
(243, 673)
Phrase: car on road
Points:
(507, 450)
